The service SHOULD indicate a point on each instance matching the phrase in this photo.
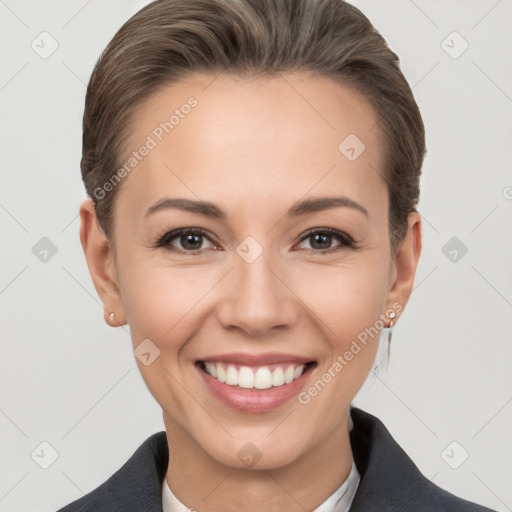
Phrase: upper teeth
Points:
(260, 378)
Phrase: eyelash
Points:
(346, 240)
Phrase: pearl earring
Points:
(112, 317)
(387, 332)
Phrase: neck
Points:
(202, 483)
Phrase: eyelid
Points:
(331, 231)
(163, 240)
(345, 240)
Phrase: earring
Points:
(387, 332)
(112, 317)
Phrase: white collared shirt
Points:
(339, 501)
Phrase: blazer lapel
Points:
(390, 481)
(135, 487)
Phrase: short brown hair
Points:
(169, 39)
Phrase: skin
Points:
(254, 148)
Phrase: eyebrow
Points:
(210, 210)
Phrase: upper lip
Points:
(257, 359)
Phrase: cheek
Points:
(347, 299)
(159, 304)
(159, 301)
(350, 306)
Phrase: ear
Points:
(404, 264)
(101, 263)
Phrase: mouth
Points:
(255, 377)
(247, 385)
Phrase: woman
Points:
(253, 173)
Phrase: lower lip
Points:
(254, 400)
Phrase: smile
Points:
(255, 384)
(259, 377)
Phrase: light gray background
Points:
(70, 380)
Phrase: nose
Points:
(258, 300)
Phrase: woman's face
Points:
(282, 260)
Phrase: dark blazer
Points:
(390, 481)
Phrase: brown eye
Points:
(191, 241)
(185, 241)
(321, 240)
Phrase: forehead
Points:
(226, 136)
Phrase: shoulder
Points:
(135, 487)
(389, 479)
